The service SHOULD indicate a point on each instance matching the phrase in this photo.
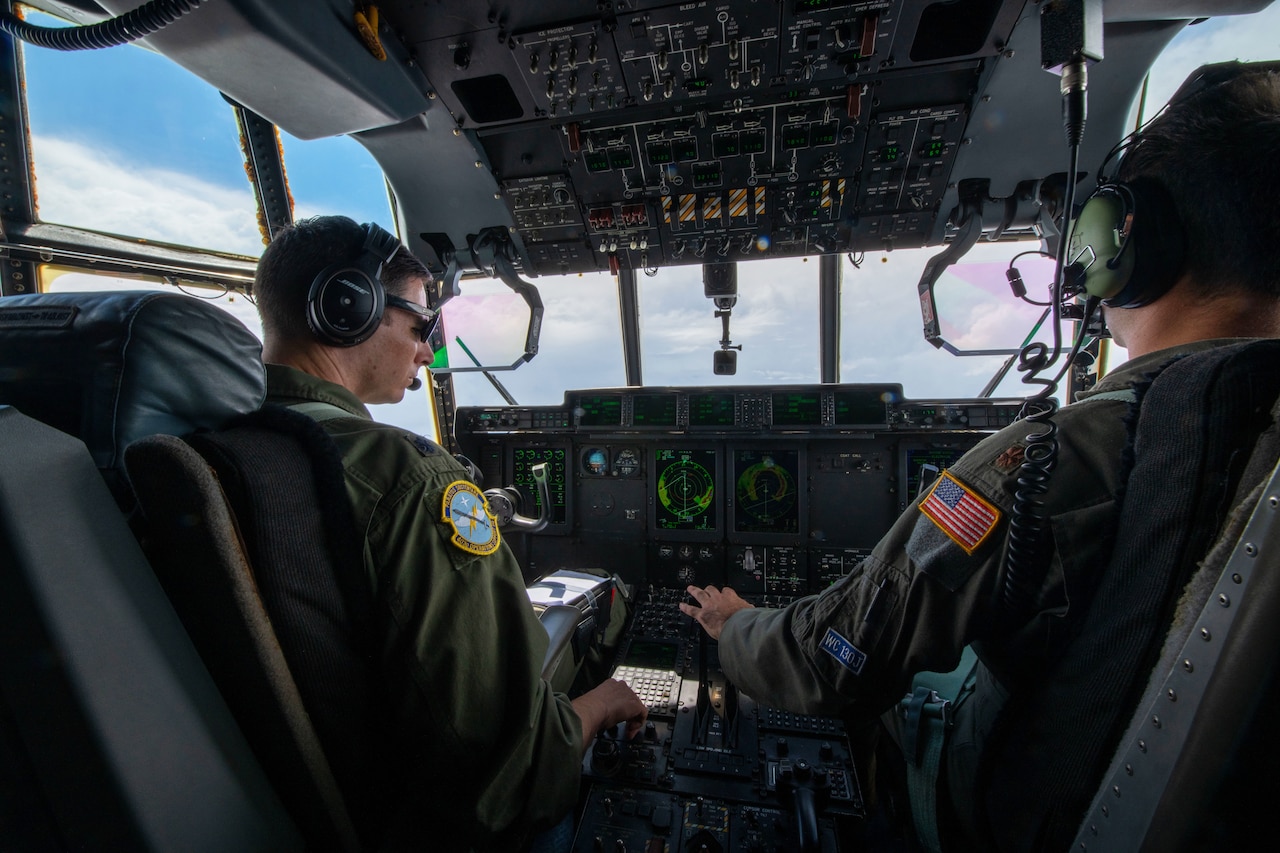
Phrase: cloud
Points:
(79, 186)
(1243, 37)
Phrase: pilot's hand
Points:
(607, 704)
(713, 608)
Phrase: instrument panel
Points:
(777, 490)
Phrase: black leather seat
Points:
(113, 736)
(114, 368)
(110, 368)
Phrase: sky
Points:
(125, 141)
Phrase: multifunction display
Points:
(766, 495)
(685, 490)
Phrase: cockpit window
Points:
(774, 320)
(335, 175)
(126, 142)
(578, 347)
(168, 166)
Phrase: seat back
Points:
(112, 734)
(113, 368)
(282, 480)
(1195, 428)
(1196, 768)
(194, 544)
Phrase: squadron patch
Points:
(846, 653)
(965, 516)
(475, 529)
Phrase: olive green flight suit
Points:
(931, 585)
(493, 752)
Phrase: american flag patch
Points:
(961, 514)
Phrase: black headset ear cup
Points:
(1130, 242)
(346, 300)
(345, 306)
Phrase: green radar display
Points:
(686, 486)
(765, 498)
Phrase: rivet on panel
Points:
(1173, 697)
(1224, 600)
(1205, 635)
(1236, 578)
(1142, 746)
(1188, 665)
(1155, 721)
(1115, 789)
(1250, 549)
(1128, 768)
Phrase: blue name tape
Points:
(845, 652)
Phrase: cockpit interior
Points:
(522, 142)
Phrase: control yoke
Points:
(505, 503)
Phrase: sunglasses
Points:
(430, 317)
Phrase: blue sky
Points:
(124, 141)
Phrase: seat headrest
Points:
(109, 368)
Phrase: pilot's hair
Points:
(299, 252)
(1216, 154)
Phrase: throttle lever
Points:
(807, 788)
(504, 502)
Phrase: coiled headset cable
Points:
(1025, 564)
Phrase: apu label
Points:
(845, 652)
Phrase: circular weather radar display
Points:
(686, 489)
(766, 491)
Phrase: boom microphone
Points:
(415, 384)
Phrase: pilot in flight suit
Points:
(460, 639)
(488, 752)
(932, 584)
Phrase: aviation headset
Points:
(346, 300)
(1127, 244)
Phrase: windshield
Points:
(166, 167)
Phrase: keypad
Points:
(655, 687)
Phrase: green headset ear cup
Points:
(1096, 241)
